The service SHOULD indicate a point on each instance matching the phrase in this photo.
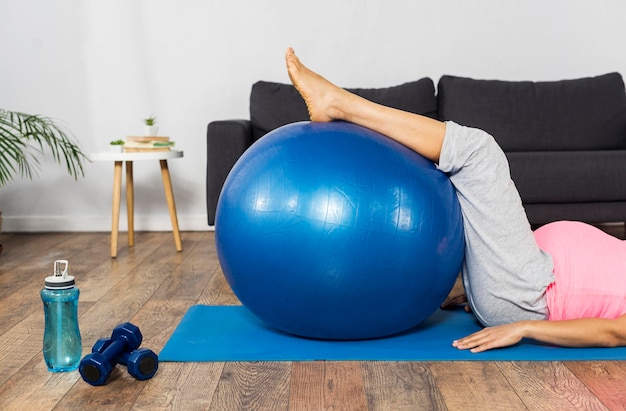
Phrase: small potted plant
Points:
(116, 146)
(151, 128)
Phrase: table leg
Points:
(169, 195)
(130, 203)
(117, 196)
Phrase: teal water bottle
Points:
(62, 346)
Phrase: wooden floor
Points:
(152, 285)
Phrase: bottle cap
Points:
(60, 280)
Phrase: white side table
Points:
(119, 159)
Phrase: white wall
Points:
(102, 66)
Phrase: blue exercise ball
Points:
(333, 231)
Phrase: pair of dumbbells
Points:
(121, 348)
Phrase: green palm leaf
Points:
(25, 137)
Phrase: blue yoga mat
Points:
(232, 333)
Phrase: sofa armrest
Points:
(226, 142)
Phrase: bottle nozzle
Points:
(60, 280)
(57, 268)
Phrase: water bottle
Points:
(62, 346)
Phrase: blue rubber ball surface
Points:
(333, 231)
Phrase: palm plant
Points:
(23, 137)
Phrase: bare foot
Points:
(319, 94)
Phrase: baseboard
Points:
(99, 224)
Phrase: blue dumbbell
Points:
(121, 348)
(142, 363)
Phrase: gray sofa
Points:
(565, 140)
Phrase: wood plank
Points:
(184, 386)
(253, 386)
(157, 321)
(548, 385)
(23, 248)
(474, 385)
(218, 292)
(606, 379)
(181, 386)
(20, 344)
(96, 281)
(190, 277)
(126, 297)
(120, 393)
(400, 386)
(323, 385)
(35, 388)
(26, 300)
(30, 258)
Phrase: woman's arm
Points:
(585, 332)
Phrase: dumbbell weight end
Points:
(142, 364)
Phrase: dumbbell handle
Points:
(115, 349)
(103, 343)
(123, 358)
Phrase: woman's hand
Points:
(492, 337)
(584, 332)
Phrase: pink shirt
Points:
(589, 271)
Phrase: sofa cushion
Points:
(569, 176)
(273, 104)
(581, 114)
(600, 212)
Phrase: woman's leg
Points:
(327, 102)
(505, 273)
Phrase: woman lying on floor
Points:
(564, 284)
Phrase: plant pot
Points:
(152, 131)
(116, 148)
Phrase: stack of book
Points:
(135, 144)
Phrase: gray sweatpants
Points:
(505, 274)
